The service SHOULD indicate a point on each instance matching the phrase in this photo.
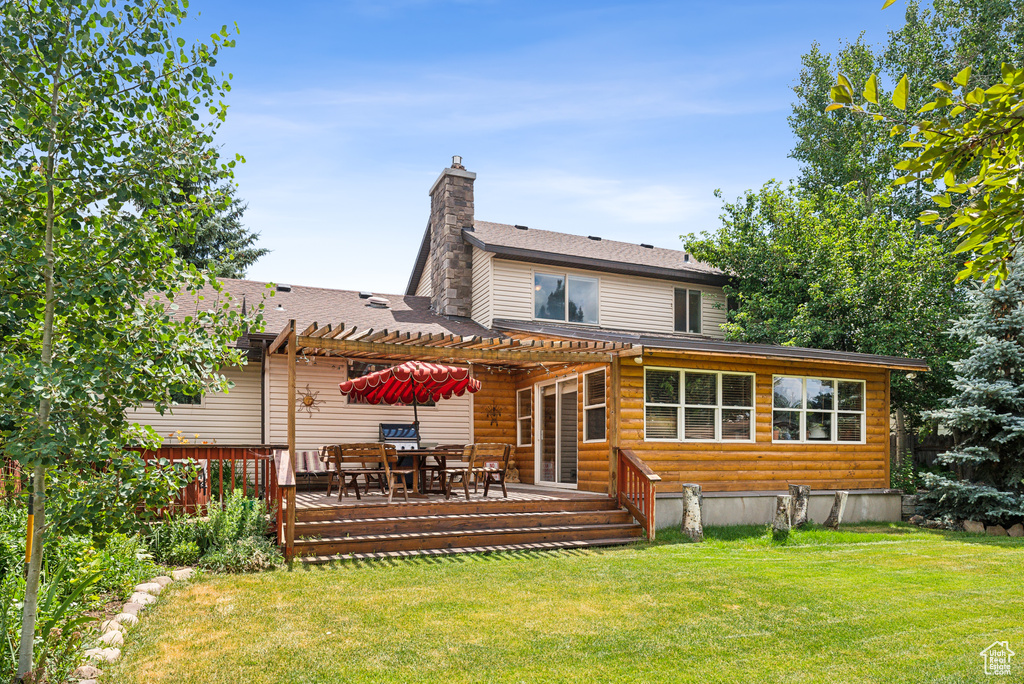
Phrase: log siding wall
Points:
(761, 465)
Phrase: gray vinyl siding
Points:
(482, 288)
(337, 421)
(627, 302)
(228, 418)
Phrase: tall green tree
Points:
(986, 413)
(220, 243)
(103, 109)
(838, 149)
(812, 271)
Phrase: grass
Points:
(868, 603)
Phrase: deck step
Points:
(409, 541)
(456, 521)
(496, 548)
(399, 509)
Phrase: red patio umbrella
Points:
(412, 382)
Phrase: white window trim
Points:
(520, 418)
(682, 406)
(835, 411)
(588, 407)
(533, 301)
(688, 290)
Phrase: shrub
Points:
(232, 538)
(249, 554)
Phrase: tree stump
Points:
(801, 495)
(838, 509)
(780, 526)
(693, 527)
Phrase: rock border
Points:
(114, 630)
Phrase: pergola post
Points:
(615, 389)
(290, 513)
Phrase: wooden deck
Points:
(531, 518)
(516, 492)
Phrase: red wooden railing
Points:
(636, 489)
(222, 469)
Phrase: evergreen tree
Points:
(986, 478)
(221, 244)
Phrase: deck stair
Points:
(442, 527)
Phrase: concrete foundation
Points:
(758, 508)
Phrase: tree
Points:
(102, 109)
(812, 271)
(970, 154)
(220, 242)
(837, 148)
(841, 151)
(986, 415)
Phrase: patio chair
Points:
(436, 471)
(459, 471)
(490, 461)
(369, 458)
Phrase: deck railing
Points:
(636, 489)
(285, 503)
(221, 470)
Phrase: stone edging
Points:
(112, 631)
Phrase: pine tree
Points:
(986, 417)
(221, 244)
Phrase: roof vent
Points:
(593, 237)
(365, 295)
(280, 307)
(686, 257)
(644, 244)
(378, 302)
(522, 227)
(284, 288)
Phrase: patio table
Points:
(420, 457)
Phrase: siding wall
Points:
(627, 302)
(482, 288)
(761, 465)
(228, 418)
(337, 421)
(423, 288)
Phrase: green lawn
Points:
(866, 604)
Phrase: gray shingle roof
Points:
(500, 235)
(308, 304)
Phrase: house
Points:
(585, 348)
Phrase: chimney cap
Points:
(457, 162)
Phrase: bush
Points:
(232, 538)
(249, 554)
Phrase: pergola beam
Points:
(509, 355)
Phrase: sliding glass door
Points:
(557, 424)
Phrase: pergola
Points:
(394, 345)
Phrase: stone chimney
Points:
(451, 257)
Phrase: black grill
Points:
(402, 435)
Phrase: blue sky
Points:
(601, 118)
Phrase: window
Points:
(687, 310)
(698, 405)
(594, 411)
(183, 398)
(817, 410)
(524, 417)
(565, 298)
